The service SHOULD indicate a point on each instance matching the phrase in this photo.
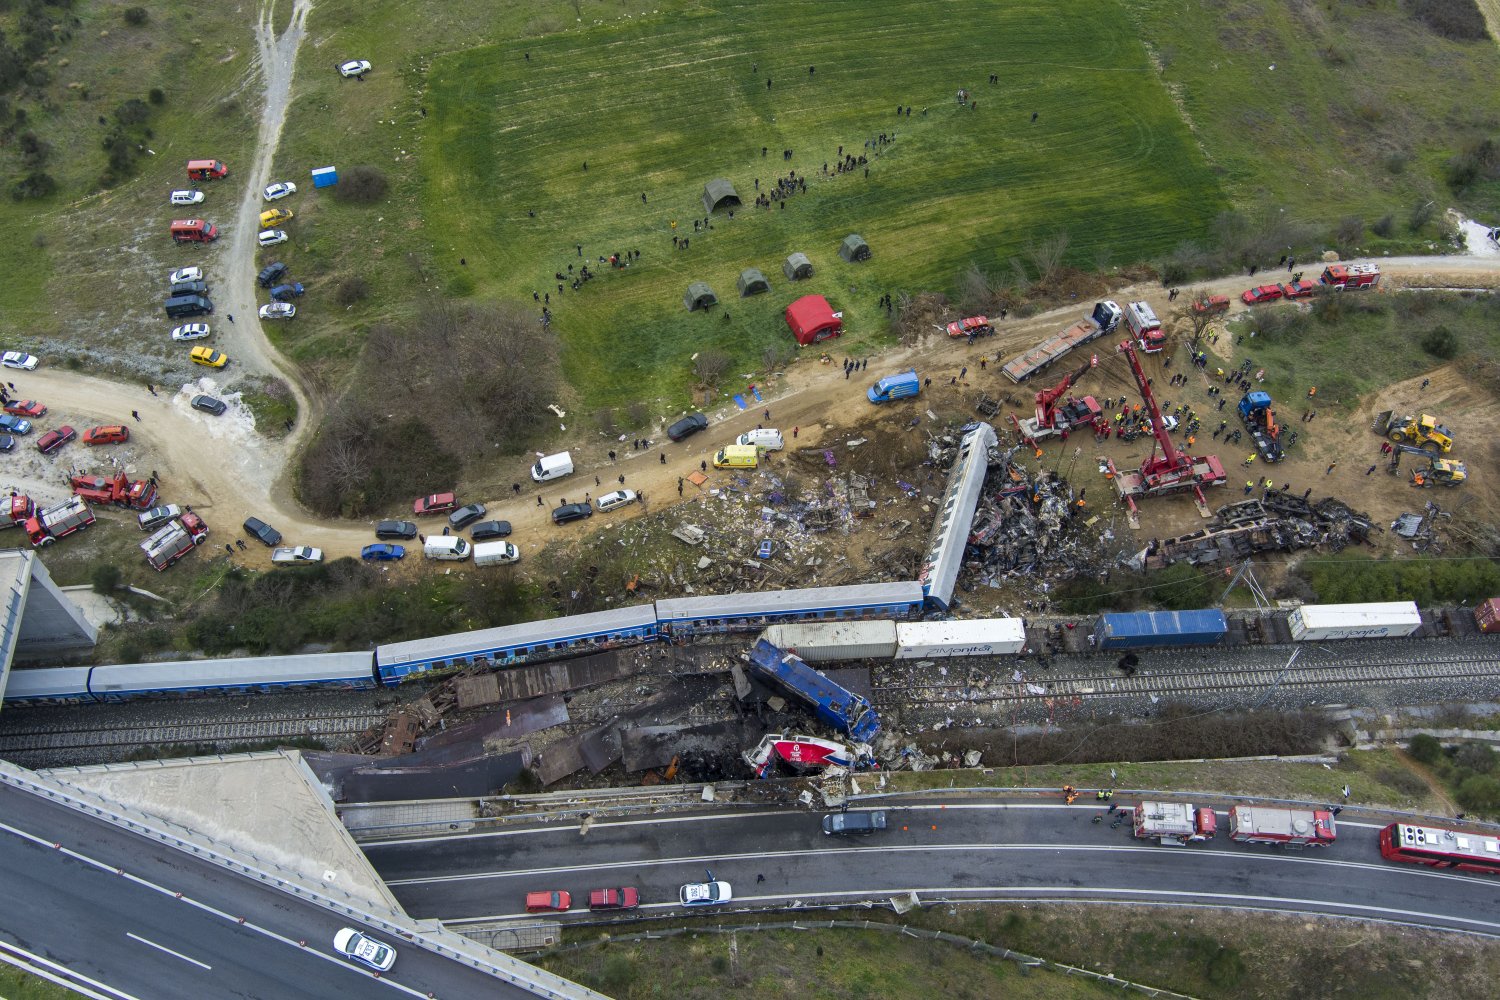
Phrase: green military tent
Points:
(854, 248)
(752, 282)
(699, 296)
(719, 193)
(796, 267)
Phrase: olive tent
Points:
(854, 248)
(752, 282)
(812, 319)
(719, 193)
(699, 296)
(796, 267)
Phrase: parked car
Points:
(262, 532)
(364, 949)
(55, 439)
(7, 443)
(857, 823)
(271, 218)
(382, 552)
(288, 291)
(572, 512)
(208, 357)
(705, 893)
(486, 530)
(271, 237)
(271, 274)
(687, 426)
(208, 404)
(354, 67)
(26, 408)
(627, 898)
(299, 555)
(396, 529)
(154, 518)
(18, 359)
(185, 197)
(435, 503)
(611, 501)
(1299, 289)
(278, 310)
(280, 190)
(1264, 293)
(552, 901)
(192, 331)
(465, 516)
(185, 274)
(107, 434)
(15, 425)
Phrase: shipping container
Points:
(1317, 622)
(1487, 615)
(1138, 629)
(984, 637)
(818, 642)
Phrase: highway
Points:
(1012, 850)
(129, 935)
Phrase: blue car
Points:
(285, 293)
(14, 425)
(382, 552)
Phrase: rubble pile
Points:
(1277, 522)
(1421, 529)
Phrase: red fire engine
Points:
(1439, 848)
(1351, 275)
(1178, 823)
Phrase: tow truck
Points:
(1052, 419)
(120, 490)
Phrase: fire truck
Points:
(1141, 321)
(1057, 413)
(120, 491)
(1179, 823)
(58, 521)
(1343, 276)
(175, 540)
(21, 508)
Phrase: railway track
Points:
(265, 726)
(1372, 671)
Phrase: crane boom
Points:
(1172, 458)
(1047, 398)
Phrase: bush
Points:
(34, 185)
(135, 16)
(351, 290)
(1425, 748)
(1421, 214)
(1384, 226)
(1181, 587)
(361, 185)
(1480, 793)
(157, 96)
(105, 578)
(1351, 230)
(1459, 20)
(132, 112)
(1475, 757)
(1440, 342)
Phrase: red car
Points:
(555, 901)
(26, 408)
(437, 503)
(108, 434)
(614, 899)
(1299, 289)
(1213, 305)
(53, 440)
(1265, 293)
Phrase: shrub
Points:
(105, 578)
(34, 185)
(1181, 587)
(1440, 342)
(1351, 230)
(1475, 757)
(132, 112)
(1384, 226)
(1425, 748)
(1421, 214)
(157, 96)
(361, 185)
(351, 290)
(1456, 19)
(1480, 793)
(135, 16)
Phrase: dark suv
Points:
(465, 516)
(396, 529)
(854, 824)
(687, 426)
(572, 512)
(263, 532)
(485, 530)
(208, 404)
(271, 273)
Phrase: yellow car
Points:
(208, 356)
(274, 217)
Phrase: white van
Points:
(186, 197)
(552, 467)
(765, 438)
(449, 547)
(611, 501)
(495, 554)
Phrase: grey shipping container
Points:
(1138, 629)
(819, 642)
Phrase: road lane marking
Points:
(169, 951)
(59, 974)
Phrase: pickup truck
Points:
(302, 555)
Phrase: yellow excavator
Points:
(1423, 431)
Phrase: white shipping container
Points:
(818, 642)
(985, 637)
(1316, 622)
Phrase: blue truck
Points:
(898, 386)
(1260, 420)
(833, 704)
(1140, 629)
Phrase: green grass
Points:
(662, 103)
(17, 985)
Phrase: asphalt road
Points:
(1016, 851)
(132, 936)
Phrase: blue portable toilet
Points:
(325, 176)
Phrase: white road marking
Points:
(61, 975)
(169, 951)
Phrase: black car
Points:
(858, 823)
(485, 530)
(572, 512)
(465, 516)
(687, 426)
(271, 273)
(208, 405)
(396, 529)
(256, 528)
(187, 288)
(7, 443)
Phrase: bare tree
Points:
(710, 367)
(1197, 321)
(1047, 255)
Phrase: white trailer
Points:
(819, 642)
(982, 637)
(1390, 620)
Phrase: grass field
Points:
(660, 104)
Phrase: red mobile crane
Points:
(1170, 472)
(1074, 414)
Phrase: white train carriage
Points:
(241, 674)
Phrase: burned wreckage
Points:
(1277, 522)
